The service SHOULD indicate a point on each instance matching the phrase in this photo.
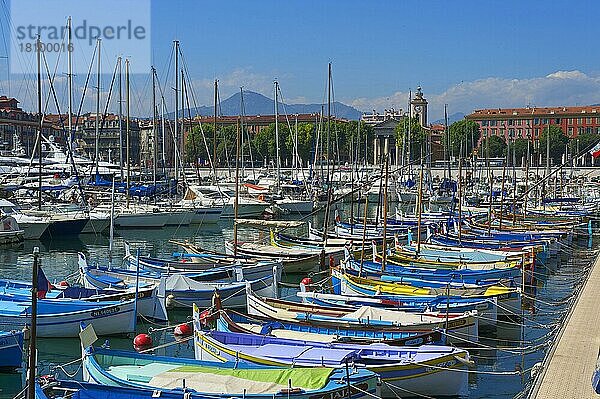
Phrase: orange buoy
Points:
(183, 329)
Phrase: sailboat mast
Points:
(419, 209)
(127, 127)
(154, 140)
(176, 42)
(41, 125)
(237, 189)
(277, 137)
(70, 85)
(97, 153)
(385, 209)
(408, 141)
(119, 61)
(215, 132)
(328, 121)
(460, 196)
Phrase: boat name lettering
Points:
(106, 311)
(342, 393)
(211, 348)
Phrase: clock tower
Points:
(418, 107)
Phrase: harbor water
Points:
(503, 359)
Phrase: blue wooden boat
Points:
(149, 304)
(425, 370)
(462, 276)
(204, 379)
(62, 389)
(229, 320)
(182, 289)
(405, 303)
(11, 349)
(461, 327)
(62, 317)
(508, 299)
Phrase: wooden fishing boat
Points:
(149, 303)
(183, 289)
(424, 370)
(509, 299)
(62, 317)
(463, 327)
(203, 379)
(230, 320)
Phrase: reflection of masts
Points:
(33, 329)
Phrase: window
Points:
(494, 131)
(484, 123)
(588, 130)
(557, 121)
(588, 120)
(570, 121)
(598, 119)
(570, 131)
(537, 132)
(545, 121)
(580, 130)
(511, 122)
(579, 120)
(518, 122)
(520, 133)
(536, 121)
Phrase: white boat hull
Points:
(108, 320)
(141, 220)
(207, 215)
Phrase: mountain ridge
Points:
(259, 104)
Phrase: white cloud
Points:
(555, 89)
(558, 88)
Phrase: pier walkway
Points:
(568, 370)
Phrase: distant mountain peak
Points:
(457, 116)
(259, 104)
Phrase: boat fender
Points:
(170, 301)
(205, 318)
(261, 197)
(305, 284)
(62, 284)
(184, 329)
(466, 362)
(142, 341)
(331, 261)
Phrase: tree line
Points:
(347, 142)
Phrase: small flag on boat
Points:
(595, 151)
(43, 284)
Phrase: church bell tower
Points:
(418, 107)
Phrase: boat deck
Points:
(568, 372)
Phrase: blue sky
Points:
(469, 54)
